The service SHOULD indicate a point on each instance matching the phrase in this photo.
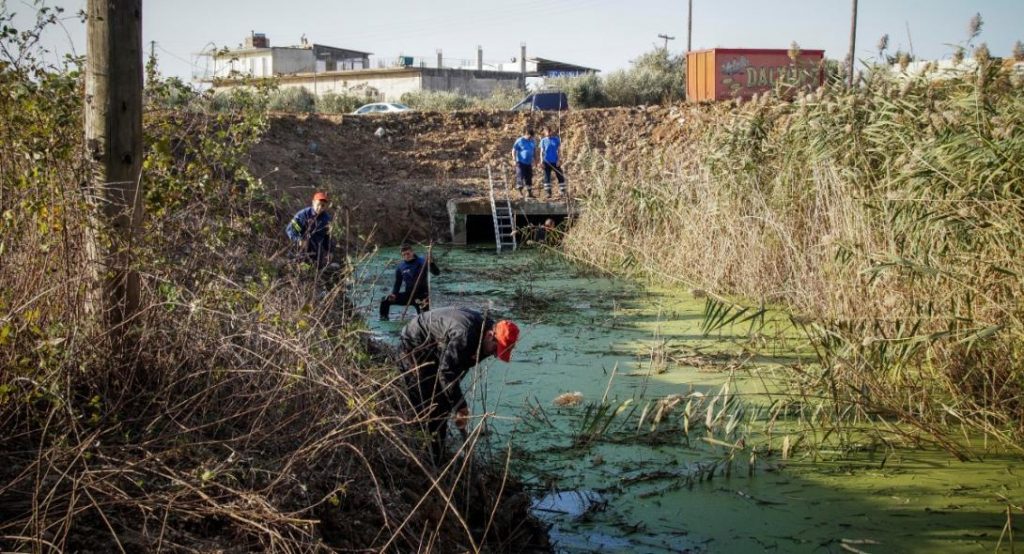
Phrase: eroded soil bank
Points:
(626, 469)
(402, 168)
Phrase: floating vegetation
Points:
(568, 399)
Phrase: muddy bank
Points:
(393, 174)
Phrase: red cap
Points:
(506, 334)
(321, 196)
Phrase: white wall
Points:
(391, 85)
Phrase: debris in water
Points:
(568, 399)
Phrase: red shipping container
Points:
(726, 73)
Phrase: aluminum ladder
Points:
(504, 219)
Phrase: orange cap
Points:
(321, 196)
(506, 334)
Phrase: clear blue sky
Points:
(605, 34)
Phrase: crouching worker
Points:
(410, 275)
(310, 231)
(437, 349)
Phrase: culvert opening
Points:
(480, 228)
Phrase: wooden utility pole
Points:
(113, 138)
(667, 38)
(853, 44)
(689, 27)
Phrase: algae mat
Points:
(607, 479)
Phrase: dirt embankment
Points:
(391, 175)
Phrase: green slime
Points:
(597, 336)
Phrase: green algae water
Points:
(631, 427)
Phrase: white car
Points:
(382, 107)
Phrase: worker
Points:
(546, 233)
(437, 349)
(310, 231)
(549, 148)
(523, 153)
(411, 275)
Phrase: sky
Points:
(603, 34)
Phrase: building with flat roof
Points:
(323, 69)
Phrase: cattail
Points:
(883, 45)
(982, 54)
(958, 55)
(903, 59)
(974, 27)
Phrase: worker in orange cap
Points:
(310, 230)
(437, 349)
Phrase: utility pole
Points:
(689, 27)
(853, 43)
(522, 64)
(667, 38)
(152, 49)
(113, 140)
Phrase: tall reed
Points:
(887, 218)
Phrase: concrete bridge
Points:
(470, 218)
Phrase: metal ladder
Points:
(504, 219)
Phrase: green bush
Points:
(436, 101)
(297, 100)
(586, 91)
(655, 78)
(339, 103)
(502, 98)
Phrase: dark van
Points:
(553, 101)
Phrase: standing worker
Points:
(437, 349)
(410, 273)
(549, 146)
(310, 231)
(523, 153)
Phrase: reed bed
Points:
(887, 219)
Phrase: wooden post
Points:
(853, 44)
(113, 138)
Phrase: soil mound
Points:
(392, 175)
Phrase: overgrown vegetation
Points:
(440, 101)
(655, 77)
(245, 412)
(887, 218)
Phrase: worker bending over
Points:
(437, 349)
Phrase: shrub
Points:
(294, 100)
(585, 91)
(436, 101)
(339, 103)
(655, 78)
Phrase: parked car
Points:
(554, 101)
(382, 107)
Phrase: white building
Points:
(325, 69)
(256, 58)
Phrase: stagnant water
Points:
(607, 484)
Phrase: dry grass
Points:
(246, 411)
